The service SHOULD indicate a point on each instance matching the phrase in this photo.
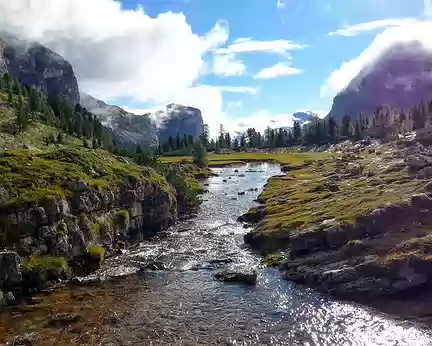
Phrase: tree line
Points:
(383, 123)
(31, 104)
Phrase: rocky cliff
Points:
(180, 120)
(63, 210)
(401, 78)
(35, 65)
(129, 128)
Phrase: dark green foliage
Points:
(199, 155)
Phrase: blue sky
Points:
(304, 22)
(242, 62)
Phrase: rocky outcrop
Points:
(75, 232)
(399, 78)
(35, 65)
(180, 120)
(129, 128)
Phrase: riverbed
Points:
(182, 303)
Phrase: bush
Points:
(45, 263)
(97, 252)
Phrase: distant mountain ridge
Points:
(130, 129)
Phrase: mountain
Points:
(401, 77)
(180, 120)
(129, 128)
(304, 116)
(35, 65)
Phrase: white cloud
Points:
(238, 89)
(280, 69)
(339, 79)
(116, 52)
(260, 120)
(281, 4)
(217, 36)
(247, 45)
(227, 65)
(358, 29)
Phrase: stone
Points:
(26, 339)
(221, 261)
(156, 265)
(77, 186)
(425, 173)
(421, 201)
(418, 161)
(10, 272)
(248, 277)
(242, 193)
(63, 319)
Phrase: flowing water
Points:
(185, 305)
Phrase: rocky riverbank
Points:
(357, 225)
(64, 211)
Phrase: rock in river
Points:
(243, 276)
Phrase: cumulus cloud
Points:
(340, 78)
(227, 65)
(121, 53)
(354, 30)
(247, 45)
(280, 69)
(260, 120)
(115, 52)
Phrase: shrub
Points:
(45, 263)
(97, 252)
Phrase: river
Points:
(185, 305)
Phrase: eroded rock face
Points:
(10, 271)
(399, 78)
(129, 128)
(35, 65)
(181, 120)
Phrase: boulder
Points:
(418, 161)
(421, 201)
(248, 277)
(425, 173)
(26, 339)
(10, 272)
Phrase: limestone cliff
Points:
(35, 65)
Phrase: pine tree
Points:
(199, 154)
(94, 143)
(138, 149)
(60, 138)
(178, 141)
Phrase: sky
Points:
(244, 63)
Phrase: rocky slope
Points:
(400, 78)
(357, 226)
(180, 120)
(35, 65)
(129, 128)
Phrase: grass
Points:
(241, 158)
(301, 201)
(33, 177)
(40, 263)
(96, 251)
